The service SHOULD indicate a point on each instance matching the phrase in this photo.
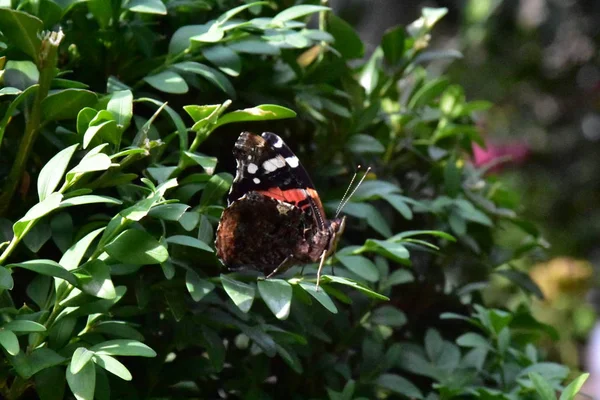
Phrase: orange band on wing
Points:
(292, 196)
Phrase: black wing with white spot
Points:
(265, 162)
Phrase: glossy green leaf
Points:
(72, 257)
(349, 282)
(210, 74)
(297, 12)
(264, 112)
(189, 242)
(123, 347)
(49, 204)
(196, 286)
(83, 383)
(168, 82)
(46, 267)
(6, 280)
(23, 325)
(224, 58)
(347, 40)
(254, 46)
(137, 247)
(277, 294)
(121, 105)
(94, 279)
(206, 162)
(9, 341)
(147, 7)
(113, 366)
(388, 315)
(21, 29)
(80, 359)
(361, 266)
(89, 199)
(66, 104)
(393, 44)
(30, 364)
(169, 212)
(215, 189)
(574, 387)
(241, 293)
(53, 172)
(320, 295)
(391, 250)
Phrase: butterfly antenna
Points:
(337, 211)
(347, 199)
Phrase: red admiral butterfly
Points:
(275, 218)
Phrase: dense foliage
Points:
(110, 197)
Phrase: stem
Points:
(18, 387)
(46, 65)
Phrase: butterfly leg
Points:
(285, 264)
(320, 269)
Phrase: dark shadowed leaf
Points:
(66, 104)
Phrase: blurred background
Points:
(538, 62)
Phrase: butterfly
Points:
(274, 218)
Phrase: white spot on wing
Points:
(278, 143)
(256, 180)
(292, 161)
(272, 164)
(252, 168)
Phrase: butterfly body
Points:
(275, 218)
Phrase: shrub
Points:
(110, 196)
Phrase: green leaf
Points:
(104, 129)
(428, 92)
(206, 162)
(94, 279)
(371, 215)
(353, 284)
(14, 104)
(21, 29)
(224, 58)
(389, 316)
(113, 366)
(80, 359)
(320, 295)
(23, 325)
(47, 267)
(168, 82)
(49, 204)
(50, 383)
(391, 250)
(364, 144)
(277, 294)
(137, 247)
(393, 44)
(522, 280)
(83, 384)
(72, 257)
(123, 347)
(264, 112)
(241, 293)
(210, 74)
(189, 242)
(347, 41)
(254, 46)
(121, 104)
(361, 266)
(147, 7)
(169, 212)
(226, 16)
(197, 286)
(66, 104)
(399, 203)
(53, 172)
(88, 199)
(6, 280)
(472, 339)
(398, 384)
(215, 189)
(28, 365)
(91, 163)
(297, 12)
(9, 341)
(574, 387)
(542, 386)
